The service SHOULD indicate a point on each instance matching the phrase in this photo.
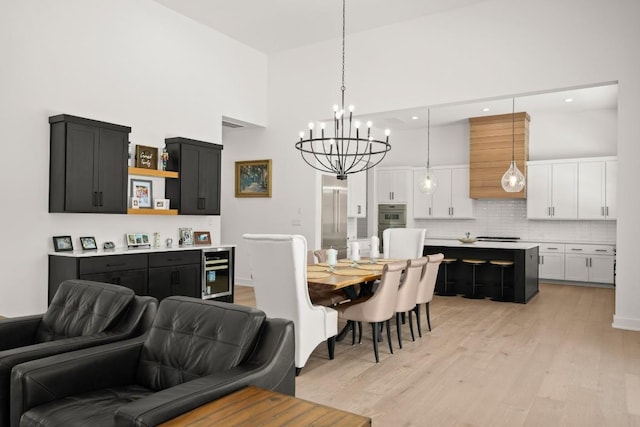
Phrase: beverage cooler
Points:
(217, 274)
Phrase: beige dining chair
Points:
(378, 309)
(403, 243)
(408, 293)
(279, 272)
(427, 286)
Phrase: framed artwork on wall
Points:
(142, 189)
(253, 178)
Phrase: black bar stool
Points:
(446, 291)
(503, 264)
(474, 264)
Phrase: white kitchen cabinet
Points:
(552, 190)
(589, 263)
(597, 184)
(357, 195)
(449, 200)
(551, 261)
(392, 185)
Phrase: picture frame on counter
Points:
(142, 189)
(135, 203)
(202, 237)
(62, 243)
(88, 243)
(186, 236)
(146, 157)
(161, 203)
(253, 178)
(135, 240)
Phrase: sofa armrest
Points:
(43, 380)
(270, 366)
(19, 331)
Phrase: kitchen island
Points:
(521, 280)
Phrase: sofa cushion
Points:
(82, 307)
(95, 408)
(193, 338)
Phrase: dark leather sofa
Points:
(196, 351)
(82, 314)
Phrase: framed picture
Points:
(161, 203)
(62, 243)
(135, 203)
(146, 157)
(202, 237)
(142, 190)
(137, 239)
(88, 243)
(186, 236)
(253, 178)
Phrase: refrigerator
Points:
(334, 214)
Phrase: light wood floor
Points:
(554, 361)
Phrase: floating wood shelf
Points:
(152, 172)
(143, 211)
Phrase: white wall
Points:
(495, 48)
(134, 63)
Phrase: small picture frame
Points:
(88, 243)
(135, 203)
(202, 237)
(161, 203)
(62, 243)
(186, 236)
(142, 189)
(135, 240)
(253, 178)
(146, 157)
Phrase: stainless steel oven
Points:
(391, 216)
(217, 274)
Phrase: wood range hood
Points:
(490, 139)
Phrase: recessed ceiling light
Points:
(414, 117)
(485, 109)
(568, 100)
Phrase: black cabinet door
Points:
(81, 192)
(112, 172)
(190, 180)
(209, 184)
(135, 280)
(181, 280)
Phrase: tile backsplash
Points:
(509, 218)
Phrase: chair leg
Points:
(413, 337)
(388, 323)
(428, 316)
(331, 345)
(398, 329)
(298, 371)
(375, 331)
(353, 332)
(417, 310)
(359, 332)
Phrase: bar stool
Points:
(503, 264)
(446, 292)
(474, 264)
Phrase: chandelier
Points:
(513, 180)
(428, 183)
(344, 149)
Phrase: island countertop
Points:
(488, 245)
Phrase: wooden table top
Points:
(256, 406)
(338, 281)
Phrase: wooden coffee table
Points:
(255, 406)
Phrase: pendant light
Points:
(513, 180)
(428, 182)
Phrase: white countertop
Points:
(488, 245)
(128, 251)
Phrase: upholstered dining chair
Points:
(408, 293)
(403, 243)
(427, 286)
(279, 271)
(326, 297)
(379, 308)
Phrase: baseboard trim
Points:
(626, 323)
(243, 281)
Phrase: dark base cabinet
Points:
(521, 280)
(175, 273)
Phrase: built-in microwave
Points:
(217, 274)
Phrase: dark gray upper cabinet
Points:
(88, 165)
(197, 191)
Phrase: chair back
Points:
(428, 280)
(408, 291)
(279, 273)
(321, 255)
(82, 307)
(403, 243)
(382, 305)
(192, 338)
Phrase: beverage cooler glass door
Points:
(217, 275)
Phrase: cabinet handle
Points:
(177, 277)
(429, 211)
(359, 209)
(606, 210)
(587, 260)
(553, 211)
(552, 249)
(393, 195)
(549, 211)
(576, 249)
(601, 210)
(201, 202)
(100, 195)
(118, 264)
(94, 201)
(453, 209)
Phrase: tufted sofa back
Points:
(82, 307)
(191, 338)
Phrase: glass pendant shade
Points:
(513, 180)
(428, 182)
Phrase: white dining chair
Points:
(279, 271)
(403, 243)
